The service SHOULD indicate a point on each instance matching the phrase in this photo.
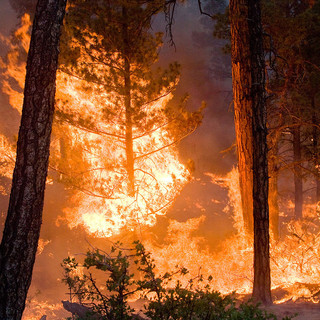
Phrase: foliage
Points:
(110, 301)
(111, 47)
(164, 301)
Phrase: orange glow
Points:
(105, 207)
(7, 156)
(14, 66)
(295, 262)
(35, 309)
(230, 266)
(93, 168)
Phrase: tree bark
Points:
(242, 101)
(22, 228)
(250, 121)
(297, 172)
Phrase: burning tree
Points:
(114, 105)
(115, 132)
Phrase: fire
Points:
(13, 67)
(95, 166)
(295, 262)
(104, 207)
(7, 156)
(41, 245)
(36, 309)
(91, 163)
(230, 265)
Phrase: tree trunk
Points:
(22, 228)
(242, 101)
(297, 172)
(128, 107)
(250, 120)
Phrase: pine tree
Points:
(250, 119)
(291, 27)
(22, 228)
(124, 105)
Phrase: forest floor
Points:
(304, 310)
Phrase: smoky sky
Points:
(200, 55)
(7, 17)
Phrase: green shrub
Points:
(110, 300)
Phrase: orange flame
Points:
(98, 158)
(103, 208)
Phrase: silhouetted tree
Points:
(248, 79)
(22, 228)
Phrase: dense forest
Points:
(166, 164)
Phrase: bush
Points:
(110, 300)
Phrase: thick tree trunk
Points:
(242, 101)
(128, 107)
(250, 118)
(297, 172)
(21, 233)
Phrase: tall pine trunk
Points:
(297, 172)
(22, 227)
(250, 121)
(242, 101)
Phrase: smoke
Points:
(200, 54)
(7, 19)
(23, 6)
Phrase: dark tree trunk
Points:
(242, 101)
(128, 107)
(242, 105)
(21, 233)
(250, 118)
(297, 172)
